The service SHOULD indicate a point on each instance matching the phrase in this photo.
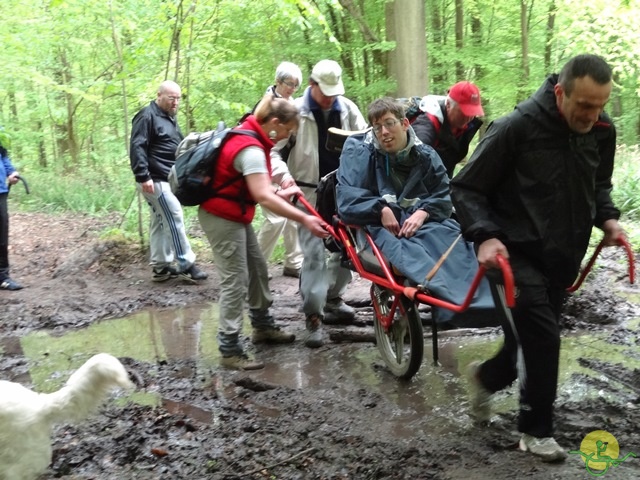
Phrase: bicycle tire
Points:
(402, 345)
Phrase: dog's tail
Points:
(86, 389)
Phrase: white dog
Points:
(27, 418)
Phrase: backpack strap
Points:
(435, 121)
(231, 132)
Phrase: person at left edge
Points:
(155, 135)
(8, 176)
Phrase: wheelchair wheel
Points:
(402, 344)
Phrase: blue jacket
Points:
(365, 186)
(6, 169)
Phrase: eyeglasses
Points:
(173, 98)
(291, 85)
(388, 124)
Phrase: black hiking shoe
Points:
(163, 274)
(193, 273)
(8, 284)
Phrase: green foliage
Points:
(278, 252)
(95, 192)
(75, 72)
(626, 189)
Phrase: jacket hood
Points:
(432, 104)
(542, 108)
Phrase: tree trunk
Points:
(460, 73)
(174, 46)
(186, 80)
(551, 21)
(65, 131)
(356, 12)
(42, 151)
(411, 50)
(390, 27)
(524, 39)
(476, 39)
(13, 108)
(435, 72)
(123, 84)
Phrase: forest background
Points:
(76, 71)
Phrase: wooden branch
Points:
(357, 16)
(338, 336)
(288, 460)
(439, 263)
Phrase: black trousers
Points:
(4, 237)
(531, 326)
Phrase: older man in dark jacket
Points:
(535, 186)
(155, 136)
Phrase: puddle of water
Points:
(181, 408)
(190, 333)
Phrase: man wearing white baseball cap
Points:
(321, 106)
(328, 75)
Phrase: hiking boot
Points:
(271, 335)
(546, 448)
(314, 331)
(291, 272)
(8, 284)
(336, 310)
(193, 273)
(480, 397)
(163, 274)
(241, 362)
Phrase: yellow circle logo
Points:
(600, 451)
(600, 444)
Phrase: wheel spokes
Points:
(397, 333)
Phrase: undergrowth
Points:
(111, 190)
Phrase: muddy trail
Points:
(330, 413)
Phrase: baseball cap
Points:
(328, 75)
(467, 96)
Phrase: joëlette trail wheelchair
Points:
(397, 323)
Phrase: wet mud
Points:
(330, 413)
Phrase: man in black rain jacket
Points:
(532, 191)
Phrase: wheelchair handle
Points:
(622, 241)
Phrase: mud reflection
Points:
(436, 399)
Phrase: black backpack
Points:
(412, 108)
(326, 205)
(191, 176)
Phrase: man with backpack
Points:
(322, 105)
(155, 134)
(449, 123)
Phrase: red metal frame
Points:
(622, 241)
(343, 233)
(340, 231)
